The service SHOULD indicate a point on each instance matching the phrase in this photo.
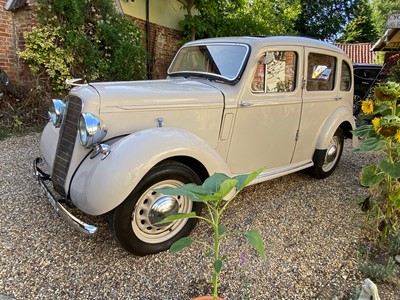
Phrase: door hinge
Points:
(303, 83)
(297, 135)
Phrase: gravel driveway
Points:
(309, 227)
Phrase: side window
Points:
(320, 72)
(275, 72)
(345, 80)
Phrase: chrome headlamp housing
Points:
(56, 112)
(91, 130)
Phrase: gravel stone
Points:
(310, 229)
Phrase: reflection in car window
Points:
(367, 74)
(345, 80)
(275, 72)
(320, 72)
(224, 60)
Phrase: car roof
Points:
(364, 65)
(258, 41)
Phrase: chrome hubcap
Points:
(152, 207)
(162, 208)
(332, 154)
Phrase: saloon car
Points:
(228, 105)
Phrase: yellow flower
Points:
(367, 107)
(397, 136)
(376, 122)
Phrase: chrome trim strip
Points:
(58, 207)
(273, 174)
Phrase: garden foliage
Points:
(383, 135)
(84, 39)
(216, 193)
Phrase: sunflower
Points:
(388, 130)
(387, 92)
(376, 122)
(367, 107)
(397, 135)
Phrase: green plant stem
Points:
(216, 252)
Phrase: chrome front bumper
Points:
(57, 202)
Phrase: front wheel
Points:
(325, 162)
(134, 221)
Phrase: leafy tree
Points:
(380, 11)
(260, 17)
(83, 38)
(361, 29)
(238, 17)
(323, 19)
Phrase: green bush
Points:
(379, 272)
(84, 39)
(394, 243)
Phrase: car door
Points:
(320, 98)
(268, 112)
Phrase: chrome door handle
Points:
(338, 98)
(246, 104)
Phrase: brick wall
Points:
(12, 26)
(163, 44)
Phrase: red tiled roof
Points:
(359, 53)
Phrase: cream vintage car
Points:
(229, 105)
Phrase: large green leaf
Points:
(178, 216)
(225, 188)
(212, 184)
(382, 110)
(181, 244)
(392, 118)
(372, 144)
(370, 176)
(364, 131)
(255, 239)
(244, 180)
(191, 190)
(392, 169)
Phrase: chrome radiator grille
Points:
(66, 143)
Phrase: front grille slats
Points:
(66, 143)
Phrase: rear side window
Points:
(320, 72)
(345, 80)
(367, 73)
(275, 72)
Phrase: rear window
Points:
(320, 72)
(345, 80)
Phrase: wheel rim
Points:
(153, 207)
(332, 154)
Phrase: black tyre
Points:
(133, 222)
(326, 164)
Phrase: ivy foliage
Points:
(84, 39)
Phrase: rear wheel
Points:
(325, 164)
(134, 221)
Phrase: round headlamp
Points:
(91, 130)
(56, 112)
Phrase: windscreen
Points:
(216, 60)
